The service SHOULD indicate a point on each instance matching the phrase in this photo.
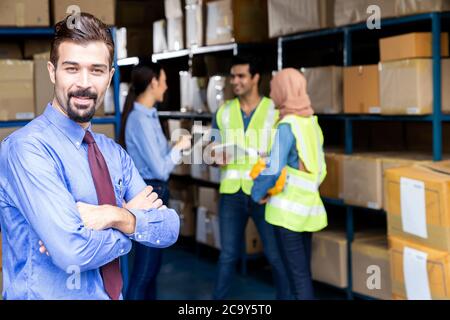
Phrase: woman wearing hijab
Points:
(298, 210)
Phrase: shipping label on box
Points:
(417, 204)
(419, 272)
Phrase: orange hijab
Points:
(288, 92)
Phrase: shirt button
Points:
(158, 242)
(140, 236)
(122, 250)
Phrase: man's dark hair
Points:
(81, 29)
(253, 62)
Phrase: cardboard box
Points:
(139, 14)
(406, 87)
(10, 50)
(173, 9)
(207, 228)
(332, 186)
(410, 46)
(363, 177)
(16, 90)
(186, 193)
(36, 46)
(407, 7)
(195, 17)
(187, 216)
(43, 87)
(253, 242)
(106, 129)
(209, 199)
(418, 204)
(354, 11)
(160, 36)
(24, 13)
(236, 21)
(291, 16)
(371, 271)
(175, 34)
(419, 272)
(361, 89)
(105, 10)
(329, 258)
(325, 88)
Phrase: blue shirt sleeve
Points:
(277, 161)
(154, 228)
(161, 165)
(46, 203)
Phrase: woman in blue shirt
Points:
(144, 139)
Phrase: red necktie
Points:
(112, 278)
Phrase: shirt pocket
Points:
(119, 191)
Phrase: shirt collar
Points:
(151, 112)
(68, 127)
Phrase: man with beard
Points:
(63, 187)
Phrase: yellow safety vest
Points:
(256, 140)
(299, 207)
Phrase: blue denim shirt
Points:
(147, 144)
(44, 171)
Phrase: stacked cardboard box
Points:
(354, 11)
(105, 10)
(183, 201)
(106, 129)
(24, 13)
(43, 87)
(5, 132)
(363, 176)
(16, 90)
(329, 260)
(418, 207)
(325, 88)
(361, 89)
(406, 74)
(332, 186)
(236, 21)
(291, 16)
(371, 272)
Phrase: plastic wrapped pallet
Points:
(173, 9)
(354, 11)
(192, 92)
(219, 91)
(325, 88)
(194, 23)
(291, 16)
(175, 34)
(159, 36)
(406, 86)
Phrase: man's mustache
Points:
(86, 93)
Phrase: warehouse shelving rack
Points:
(437, 118)
(47, 32)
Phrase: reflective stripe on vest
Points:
(296, 208)
(302, 183)
(231, 174)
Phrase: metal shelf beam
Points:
(27, 32)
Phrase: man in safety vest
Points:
(245, 125)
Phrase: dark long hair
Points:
(141, 77)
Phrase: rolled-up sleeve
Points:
(154, 228)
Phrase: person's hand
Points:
(184, 143)
(97, 217)
(264, 200)
(145, 200)
(220, 159)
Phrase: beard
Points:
(81, 113)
